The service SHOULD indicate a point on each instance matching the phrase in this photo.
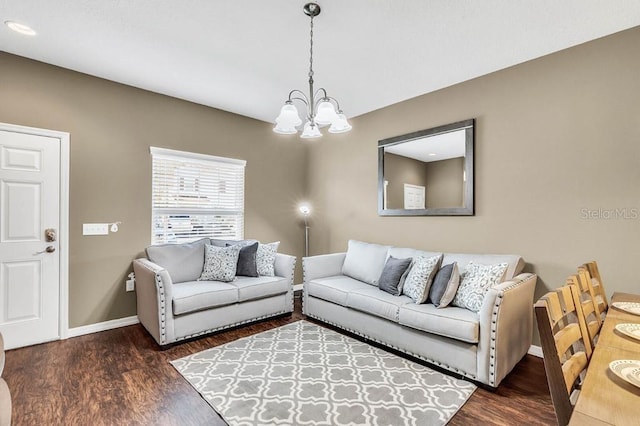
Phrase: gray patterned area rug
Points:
(305, 374)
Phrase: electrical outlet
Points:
(131, 285)
(95, 229)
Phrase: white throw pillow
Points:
(420, 277)
(220, 263)
(266, 259)
(476, 281)
(365, 261)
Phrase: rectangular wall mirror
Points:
(427, 173)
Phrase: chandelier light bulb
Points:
(305, 209)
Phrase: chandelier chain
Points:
(311, 50)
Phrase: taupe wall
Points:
(399, 170)
(557, 151)
(445, 183)
(112, 127)
(554, 137)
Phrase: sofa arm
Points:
(285, 266)
(506, 327)
(154, 295)
(325, 265)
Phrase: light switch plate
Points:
(95, 229)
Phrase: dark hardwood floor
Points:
(121, 377)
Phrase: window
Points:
(195, 196)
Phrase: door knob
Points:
(50, 235)
(49, 249)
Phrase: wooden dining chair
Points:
(565, 346)
(586, 304)
(598, 287)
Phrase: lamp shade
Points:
(285, 130)
(326, 113)
(310, 131)
(289, 116)
(340, 125)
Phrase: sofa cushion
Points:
(199, 295)
(223, 243)
(420, 277)
(394, 270)
(476, 280)
(516, 263)
(365, 261)
(374, 301)
(457, 323)
(220, 263)
(445, 285)
(266, 259)
(250, 288)
(334, 289)
(400, 252)
(183, 262)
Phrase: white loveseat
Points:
(173, 305)
(483, 346)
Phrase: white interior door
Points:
(29, 263)
(414, 196)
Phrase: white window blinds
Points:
(195, 196)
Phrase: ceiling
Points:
(245, 56)
(441, 146)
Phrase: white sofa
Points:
(483, 346)
(174, 306)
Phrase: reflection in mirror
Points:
(429, 172)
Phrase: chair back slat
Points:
(572, 368)
(565, 345)
(598, 287)
(566, 338)
(587, 303)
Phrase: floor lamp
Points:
(306, 210)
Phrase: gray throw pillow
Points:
(393, 271)
(445, 285)
(183, 262)
(247, 266)
(365, 261)
(220, 263)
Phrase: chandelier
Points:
(322, 110)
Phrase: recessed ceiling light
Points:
(20, 28)
(432, 154)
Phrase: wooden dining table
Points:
(605, 398)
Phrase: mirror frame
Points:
(468, 197)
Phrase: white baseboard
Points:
(102, 326)
(535, 351)
(297, 287)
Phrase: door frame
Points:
(63, 232)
